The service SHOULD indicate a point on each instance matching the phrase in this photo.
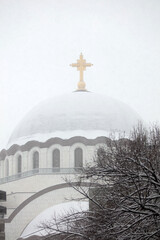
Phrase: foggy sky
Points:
(39, 39)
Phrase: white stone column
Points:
(43, 158)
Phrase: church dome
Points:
(80, 113)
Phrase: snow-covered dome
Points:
(80, 113)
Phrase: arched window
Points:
(56, 160)
(78, 158)
(36, 160)
(19, 164)
(7, 168)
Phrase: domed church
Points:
(54, 141)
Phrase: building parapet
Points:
(40, 171)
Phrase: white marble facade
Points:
(54, 141)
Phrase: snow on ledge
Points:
(66, 135)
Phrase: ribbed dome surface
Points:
(74, 114)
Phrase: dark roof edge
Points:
(63, 142)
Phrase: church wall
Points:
(49, 155)
(25, 161)
(22, 189)
(72, 149)
(90, 154)
(34, 183)
(15, 161)
(30, 157)
(66, 161)
(2, 163)
(34, 208)
(25, 199)
(11, 165)
(45, 158)
(15, 199)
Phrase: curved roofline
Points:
(62, 115)
(63, 142)
(44, 191)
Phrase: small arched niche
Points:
(19, 164)
(56, 160)
(78, 159)
(35, 160)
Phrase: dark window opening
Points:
(56, 160)
(36, 161)
(78, 159)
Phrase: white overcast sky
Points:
(40, 38)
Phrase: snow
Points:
(77, 114)
(47, 215)
(65, 135)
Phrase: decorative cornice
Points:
(63, 142)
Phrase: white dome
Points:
(80, 113)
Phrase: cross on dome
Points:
(81, 66)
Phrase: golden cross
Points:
(81, 66)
